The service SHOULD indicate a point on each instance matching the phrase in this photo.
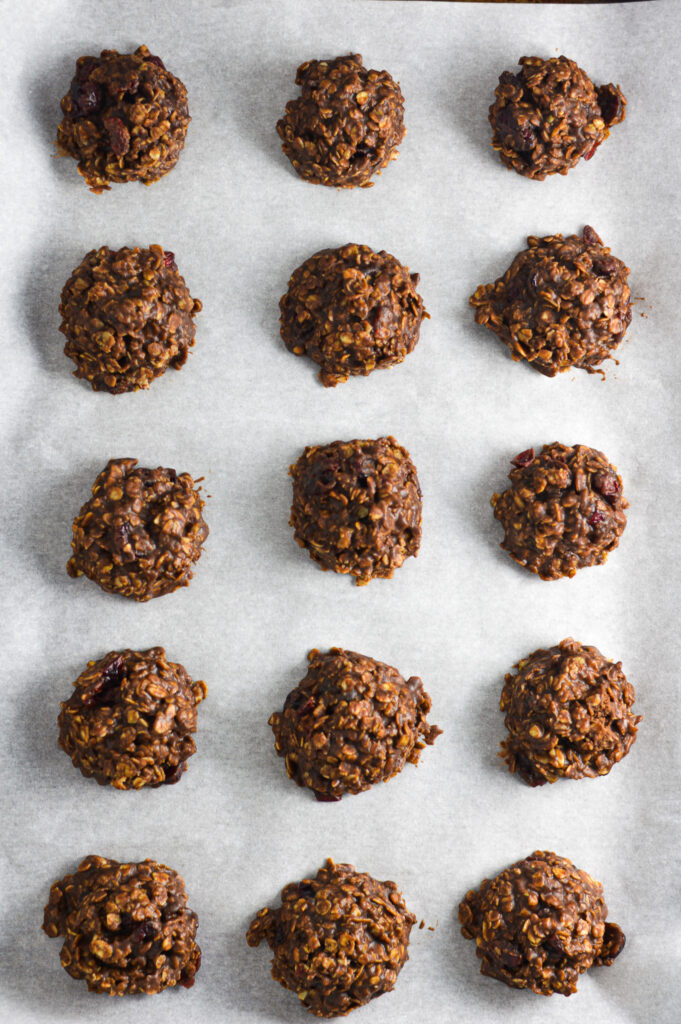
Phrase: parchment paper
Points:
(241, 411)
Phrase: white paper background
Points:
(240, 412)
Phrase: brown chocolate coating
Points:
(563, 303)
(125, 118)
(345, 126)
(339, 939)
(126, 927)
(351, 722)
(568, 714)
(540, 924)
(127, 316)
(141, 531)
(352, 310)
(548, 116)
(357, 507)
(130, 719)
(563, 511)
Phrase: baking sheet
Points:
(240, 412)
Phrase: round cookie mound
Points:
(346, 125)
(351, 722)
(130, 719)
(540, 924)
(564, 510)
(141, 531)
(568, 714)
(548, 116)
(127, 316)
(339, 939)
(352, 310)
(357, 507)
(563, 303)
(126, 927)
(125, 118)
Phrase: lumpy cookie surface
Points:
(549, 115)
(140, 533)
(539, 924)
(350, 723)
(125, 118)
(563, 511)
(130, 719)
(563, 303)
(568, 714)
(127, 316)
(357, 507)
(345, 126)
(127, 928)
(338, 940)
(351, 310)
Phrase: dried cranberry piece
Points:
(169, 259)
(596, 518)
(86, 96)
(151, 59)
(309, 705)
(126, 926)
(507, 954)
(188, 982)
(589, 236)
(614, 940)
(590, 152)
(173, 773)
(527, 772)
(103, 694)
(146, 931)
(555, 951)
(382, 318)
(522, 138)
(608, 485)
(524, 458)
(119, 136)
(605, 266)
(326, 798)
(610, 103)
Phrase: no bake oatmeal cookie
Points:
(125, 118)
(563, 511)
(568, 714)
(126, 928)
(130, 720)
(140, 533)
(350, 723)
(346, 125)
(339, 939)
(127, 316)
(540, 924)
(549, 115)
(563, 303)
(351, 310)
(357, 507)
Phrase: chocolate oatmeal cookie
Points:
(549, 115)
(141, 531)
(563, 511)
(127, 928)
(127, 316)
(568, 714)
(352, 310)
(339, 939)
(563, 303)
(346, 125)
(130, 719)
(540, 924)
(351, 722)
(125, 118)
(357, 507)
